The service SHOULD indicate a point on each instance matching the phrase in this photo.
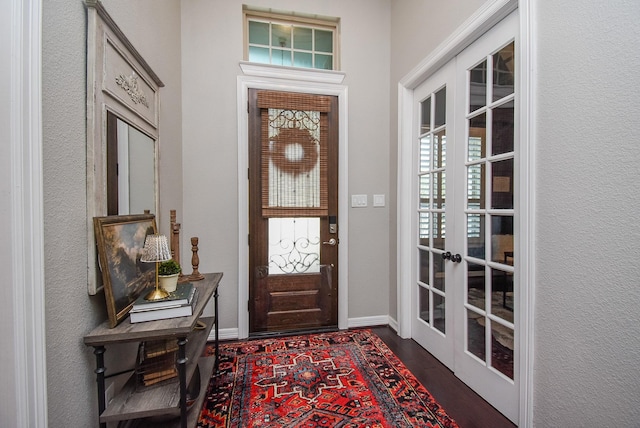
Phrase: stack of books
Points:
(180, 303)
(156, 362)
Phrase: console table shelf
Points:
(168, 399)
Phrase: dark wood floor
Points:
(457, 399)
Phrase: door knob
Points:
(333, 242)
(456, 258)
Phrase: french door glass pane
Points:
(502, 294)
(478, 86)
(423, 226)
(475, 148)
(502, 126)
(475, 186)
(425, 116)
(440, 188)
(438, 230)
(476, 285)
(476, 334)
(502, 239)
(502, 184)
(441, 108)
(423, 260)
(439, 312)
(440, 150)
(502, 349)
(503, 72)
(438, 273)
(425, 191)
(425, 153)
(475, 236)
(477, 143)
(423, 296)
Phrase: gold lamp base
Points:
(157, 294)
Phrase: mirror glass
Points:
(131, 169)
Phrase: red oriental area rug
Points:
(341, 379)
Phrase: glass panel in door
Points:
(432, 317)
(489, 212)
(486, 352)
(432, 219)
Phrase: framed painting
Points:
(120, 242)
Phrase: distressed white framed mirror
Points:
(122, 129)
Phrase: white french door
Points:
(432, 323)
(465, 293)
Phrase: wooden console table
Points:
(169, 399)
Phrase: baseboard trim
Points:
(224, 334)
(232, 333)
(368, 321)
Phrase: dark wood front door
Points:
(293, 212)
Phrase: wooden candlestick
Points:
(175, 243)
(195, 261)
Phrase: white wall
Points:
(212, 48)
(154, 29)
(587, 363)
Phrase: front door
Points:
(293, 212)
(466, 290)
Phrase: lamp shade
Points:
(155, 249)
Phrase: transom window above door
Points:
(291, 39)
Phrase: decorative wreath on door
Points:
(301, 139)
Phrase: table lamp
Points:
(155, 251)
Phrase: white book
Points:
(164, 313)
(182, 296)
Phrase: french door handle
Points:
(456, 258)
(333, 242)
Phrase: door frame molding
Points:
(285, 79)
(25, 393)
(480, 22)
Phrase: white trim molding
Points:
(527, 201)
(371, 321)
(308, 75)
(29, 390)
(291, 80)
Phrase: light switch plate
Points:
(359, 201)
(378, 200)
